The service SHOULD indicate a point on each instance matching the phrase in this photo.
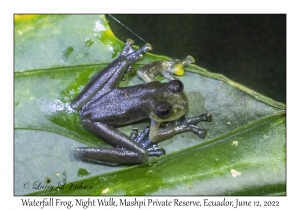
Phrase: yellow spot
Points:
(178, 70)
(234, 143)
(235, 173)
(191, 186)
(105, 190)
(57, 174)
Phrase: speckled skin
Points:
(102, 106)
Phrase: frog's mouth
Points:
(178, 110)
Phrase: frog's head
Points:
(173, 103)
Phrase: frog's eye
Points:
(164, 110)
(176, 86)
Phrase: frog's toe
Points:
(145, 143)
(129, 41)
(185, 124)
(156, 152)
(151, 148)
(208, 117)
(134, 133)
(199, 131)
(139, 138)
(148, 47)
(138, 54)
(201, 118)
(127, 48)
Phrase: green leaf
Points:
(55, 56)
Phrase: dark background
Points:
(249, 49)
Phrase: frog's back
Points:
(122, 105)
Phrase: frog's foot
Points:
(155, 151)
(143, 140)
(192, 124)
(124, 150)
(134, 55)
(184, 124)
(127, 48)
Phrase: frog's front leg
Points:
(126, 150)
(181, 125)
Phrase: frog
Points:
(103, 106)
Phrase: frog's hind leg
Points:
(107, 155)
(126, 150)
(143, 140)
(110, 76)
